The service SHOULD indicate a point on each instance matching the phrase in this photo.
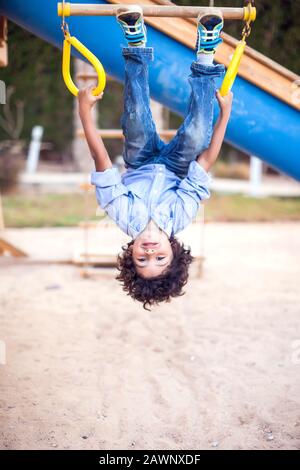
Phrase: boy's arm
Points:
(98, 151)
(210, 155)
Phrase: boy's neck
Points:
(154, 228)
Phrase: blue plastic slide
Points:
(260, 125)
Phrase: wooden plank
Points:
(7, 247)
(9, 261)
(255, 67)
(98, 260)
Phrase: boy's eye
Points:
(141, 259)
(159, 258)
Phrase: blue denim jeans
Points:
(142, 143)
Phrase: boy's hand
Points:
(225, 103)
(86, 99)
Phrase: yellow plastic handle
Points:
(70, 41)
(233, 68)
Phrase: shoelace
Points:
(209, 35)
(131, 30)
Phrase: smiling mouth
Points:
(150, 245)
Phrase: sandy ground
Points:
(87, 368)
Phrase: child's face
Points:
(152, 253)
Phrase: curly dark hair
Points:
(157, 289)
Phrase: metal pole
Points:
(79, 9)
(256, 168)
(34, 149)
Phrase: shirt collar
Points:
(166, 224)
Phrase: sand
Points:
(87, 368)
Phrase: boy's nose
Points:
(149, 250)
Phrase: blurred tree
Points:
(34, 71)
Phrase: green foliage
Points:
(240, 208)
(48, 210)
(66, 210)
(275, 33)
(34, 71)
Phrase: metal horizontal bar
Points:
(82, 9)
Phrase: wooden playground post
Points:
(3, 42)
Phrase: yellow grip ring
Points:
(233, 68)
(70, 41)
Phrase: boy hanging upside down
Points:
(160, 193)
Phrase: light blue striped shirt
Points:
(151, 192)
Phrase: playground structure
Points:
(248, 14)
(84, 367)
(265, 119)
(266, 94)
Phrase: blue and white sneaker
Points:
(210, 25)
(132, 24)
